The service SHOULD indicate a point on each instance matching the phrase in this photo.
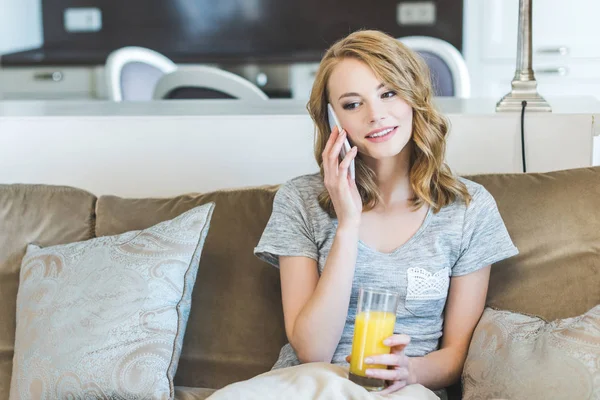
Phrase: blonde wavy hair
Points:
(405, 72)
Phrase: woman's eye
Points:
(386, 95)
(350, 106)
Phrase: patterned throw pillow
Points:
(515, 356)
(105, 318)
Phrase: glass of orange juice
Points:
(375, 321)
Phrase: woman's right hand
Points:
(341, 187)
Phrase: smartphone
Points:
(333, 121)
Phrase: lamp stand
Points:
(524, 85)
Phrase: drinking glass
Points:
(375, 321)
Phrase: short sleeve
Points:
(288, 231)
(485, 239)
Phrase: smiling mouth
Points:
(382, 133)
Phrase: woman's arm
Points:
(441, 368)
(314, 309)
(466, 301)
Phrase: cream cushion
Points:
(105, 318)
(516, 356)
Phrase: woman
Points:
(406, 223)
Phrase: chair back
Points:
(449, 72)
(132, 73)
(204, 82)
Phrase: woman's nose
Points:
(376, 113)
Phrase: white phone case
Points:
(333, 121)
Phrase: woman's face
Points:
(375, 118)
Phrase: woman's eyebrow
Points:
(351, 94)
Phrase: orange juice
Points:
(370, 329)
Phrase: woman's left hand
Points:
(400, 372)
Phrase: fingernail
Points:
(369, 360)
(387, 342)
(369, 372)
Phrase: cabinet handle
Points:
(55, 76)
(562, 50)
(562, 71)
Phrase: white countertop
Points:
(81, 108)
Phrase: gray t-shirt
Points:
(455, 241)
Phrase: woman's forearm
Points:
(320, 324)
(438, 369)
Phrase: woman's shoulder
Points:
(473, 187)
(302, 195)
(480, 196)
(307, 186)
(461, 214)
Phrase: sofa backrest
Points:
(554, 221)
(47, 215)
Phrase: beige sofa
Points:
(236, 326)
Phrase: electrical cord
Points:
(524, 104)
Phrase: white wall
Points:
(20, 25)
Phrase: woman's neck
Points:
(393, 179)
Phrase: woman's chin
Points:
(383, 154)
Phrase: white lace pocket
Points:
(426, 292)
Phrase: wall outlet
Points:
(416, 13)
(83, 19)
